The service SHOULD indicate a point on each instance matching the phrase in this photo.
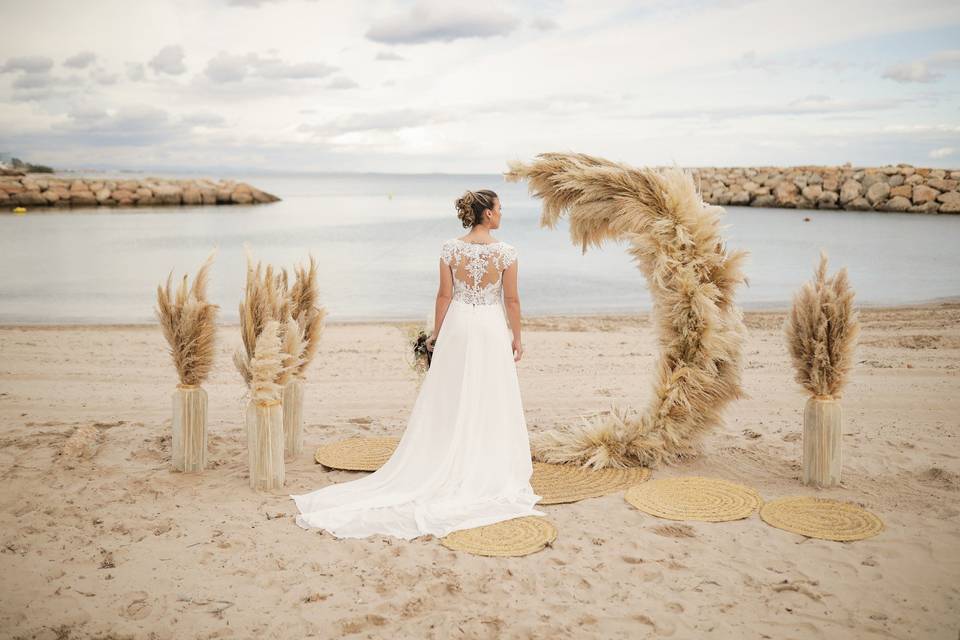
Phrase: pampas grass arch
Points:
(188, 321)
(675, 240)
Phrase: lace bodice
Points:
(477, 269)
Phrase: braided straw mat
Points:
(821, 518)
(357, 454)
(559, 483)
(694, 498)
(514, 537)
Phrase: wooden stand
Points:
(265, 445)
(822, 435)
(189, 447)
(293, 417)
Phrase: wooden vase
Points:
(822, 440)
(189, 446)
(265, 445)
(293, 417)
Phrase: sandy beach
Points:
(115, 545)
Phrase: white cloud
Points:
(930, 69)
(226, 67)
(135, 71)
(441, 21)
(809, 105)
(391, 120)
(80, 60)
(169, 60)
(204, 119)
(27, 64)
(342, 83)
(544, 24)
(102, 76)
(942, 152)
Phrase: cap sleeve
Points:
(446, 251)
(508, 255)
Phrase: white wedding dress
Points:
(464, 459)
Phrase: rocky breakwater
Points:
(45, 191)
(900, 188)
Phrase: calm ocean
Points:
(377, 241)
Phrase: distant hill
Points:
(11, 165)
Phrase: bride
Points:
(464, 459)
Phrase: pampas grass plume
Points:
(821, 332)
(266, 365)
(188, 322)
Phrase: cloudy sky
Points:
(462, 87)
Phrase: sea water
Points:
(377, 237)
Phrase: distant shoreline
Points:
(54, 191)
(898, 188)
(531, 319)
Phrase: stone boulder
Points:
(873, 178)
(812, 191)
(896, 203)
(262, 197)
(850, 191)
(785, 194)
(241, 197)
(942, 184)
(192, 196)
(922, 193)
(949, 202)
(168, 194)
(828, 200)
(878, 192)
(31, 199)
(80, 198)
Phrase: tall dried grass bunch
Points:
(265, 299)
(821, 332)
(675, 240)
(188, 321)
(303, 299)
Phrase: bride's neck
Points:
(479, 233)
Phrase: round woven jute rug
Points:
(821, 518)
(357, 454)
(514, 537)
(559, 483)
(694, 498)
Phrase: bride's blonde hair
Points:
(472, 204)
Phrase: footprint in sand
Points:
(363, 623)
(137, 606)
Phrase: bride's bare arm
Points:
(511, 301)
(444, 296)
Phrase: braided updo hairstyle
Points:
(471, 205)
